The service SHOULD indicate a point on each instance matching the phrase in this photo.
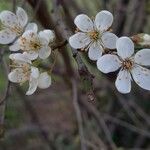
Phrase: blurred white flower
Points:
(94, 35)
(34, 44)
(142, 39)
(22, 71)
(131, 66)
(13, 25)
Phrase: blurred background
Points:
(81, 110)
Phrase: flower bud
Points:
(142, 39)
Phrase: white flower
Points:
(94, 35)
(22, 71)
(34, 44)
(43, 81)
(145, 39)
(131, 66)
(13, 25)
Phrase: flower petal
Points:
(123, 82)
(79, 40)
(142, 57)
(95, 51)
(30, 34)
(103, 20)
(44, 52)
(7, 36)
(49, 35)
(22, 16)
(33, 83)
(17, 76)
(44, 80)
(125, 47)
(32, 55)
(15, 46)
(20, 57)
(108, 63)
(8, 18)
(34, 72)
(32, 26)
(141, 76)
(84, 23)
(109, 40)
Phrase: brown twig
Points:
(92, 111)
(35, 119)
(78, 113)
(60, 45)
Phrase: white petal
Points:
(44, 80)
(33, 83)
(95, 51)
(16, 76)
(44, 52)
(32, 55)
(141, 76)
(8, 18)
(20, 57)
(15, 46)
(7, 36)
(109, 40)
(32, 26)
(123, 81)
(79, 40)
(49, 35)
(143, 57)
(103, 20)
(125, 47)
(34, 72)
(22, 16)
(108, 63)
(84, 23)
(30, 34)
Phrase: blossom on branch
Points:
(35, 44)
(94, 35)
(23, 71)
(13, 25)
(132, 66)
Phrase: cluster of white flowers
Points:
(92, 35)
(24, 38)
(110, 52)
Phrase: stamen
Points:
(94, 35)
(127, 64)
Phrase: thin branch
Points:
(60, 45)
(78, 113)
(35, 119)
(91, 110)
(85, 76)
(97, 115)
(127, 125)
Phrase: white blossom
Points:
(144, 39)
(132, 66)
(23, 71)
(94, 35)
(13, 25)
(34, 44)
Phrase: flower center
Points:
(32, 44)
(35, 45)
(94, 35)
(127, 64)
(23, 69)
